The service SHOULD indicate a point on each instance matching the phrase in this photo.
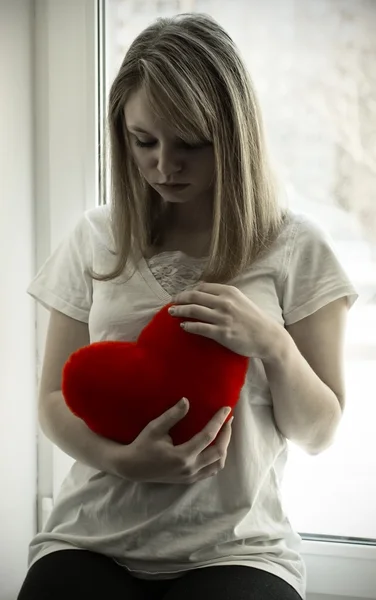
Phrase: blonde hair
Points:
(193, 76)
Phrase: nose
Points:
(168, 163)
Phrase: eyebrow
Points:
(135, 128)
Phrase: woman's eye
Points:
(181, 144)
(187, 146)
(144, 144)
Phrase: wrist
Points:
(278, 347)
(108, 451)
(116, 458)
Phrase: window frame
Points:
(70, 31)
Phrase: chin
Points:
(174, 199)
(177, 197)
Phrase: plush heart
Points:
(117, 387)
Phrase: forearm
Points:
(72, 435)
(306, 410)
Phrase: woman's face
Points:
(178, 172)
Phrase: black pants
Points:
(83, 575)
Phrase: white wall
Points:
(17, 320)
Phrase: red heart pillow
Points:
(117, 387)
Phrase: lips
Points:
(172, 185)
(172, 190)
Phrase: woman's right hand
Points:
(152, 456)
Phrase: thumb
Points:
(162, 425)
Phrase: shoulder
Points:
(97, 220)
(94, 227)
(303, 227)
(299, 234)
(302, 238)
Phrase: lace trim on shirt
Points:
(176, 271)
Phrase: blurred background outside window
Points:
(314, 67)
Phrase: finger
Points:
(195, 311)
(162, 424)
(215, 289)
(205, 329)
(197, 297)
(209, 471)
(218, 451)
(201, 440)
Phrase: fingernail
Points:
(227, 411)
(183, 402)
(231, 420)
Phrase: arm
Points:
(68, 432)
(306, 377)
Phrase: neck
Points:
(192, 218)
(186, 230)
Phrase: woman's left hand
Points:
(227, 316)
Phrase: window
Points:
(313, 65)
(310, 62)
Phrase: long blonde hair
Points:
(194, 76)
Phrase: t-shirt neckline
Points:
(151, 281)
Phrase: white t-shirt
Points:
(237, 517)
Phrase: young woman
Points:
(194, 218)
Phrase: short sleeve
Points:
(314, 275)
(64, 282)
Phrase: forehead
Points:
(139, 113)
